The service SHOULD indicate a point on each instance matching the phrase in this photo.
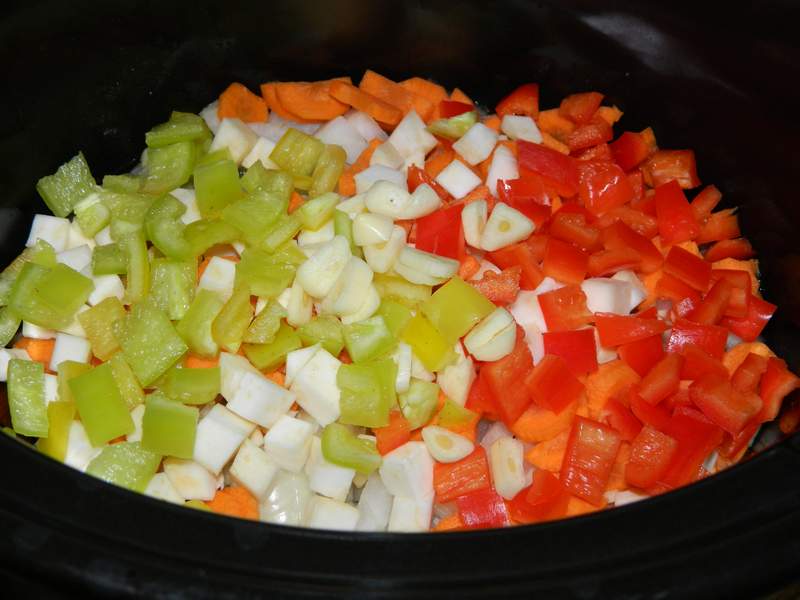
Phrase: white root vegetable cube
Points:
(232, 369)
(370, 304)
(386, 198)
(411, 514)
(324, 233)
(219, 277)
(316, 389)
(297, 359)
(237, 137)
(473, 219)
(418, 370)
(161, 488)
(388, 156)
(521, 127)
(638, 291)
(456, 379)
(374, 505)
(494, 337)
(76, 237)
(341, 132)
(189, 200)
(408, 471)
(348, 293)
(458, 179)
(288, 443)
(106, 286)
(137, 414)
(288, 499)
(50, 388)
(70, 347)
(326, 478)
(411, 136)
(527, 310)
(75, 328)
(219, 435)
(424, 201)
(80, 451)
(191, 480)
(319, 273)
(260, 152)
(607, 295)
(382, 256)
(604, 354)
(505, 226)
(502, 168)
(53, 230)
(366, 126)
(402, 358)
(506, 466)
(253, 469)
(369, 176)
(260, 400)
(477, 144)
(103, 237)
(77, 258)
(371, 228)
(332, 514)
(29, 330)
(355, 205)
(211, 116)
(444, 445)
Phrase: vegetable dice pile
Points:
(376, 307)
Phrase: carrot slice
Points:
(295, 202)
(240, 103)
(550, 454)
(312, 101)
(347, 182)
(434, 92)
(39, 350)
(395, 94)
(381, 111)
(492, 122)
(438, 160)
(605, 383)
(609, 114)
(736, 355)
(552, 143)
(235, 502)
(277, 377)
(551, 121)
(195, 361)
(270, 94)
(538, 424)
(750, 266)
(577, 507)
(451, 523)
(459, 96)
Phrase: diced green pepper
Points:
(41, 253)
(263, 275)
(368, 339)
(102, 410)
(127, 212)
(69, 185)
(165, 228)
(126, 464)
(97, 322)
(66, 290)
(137, 266)
(168, 427)
(325, 330)
(253, 214)
(172, 284)
(397, 288)
(289, 253)
(192, 386)
(60, 415)
(283, 230)
(127, 384)
(209, 158)
(149, 342)
(168, 167)
(216, 185)
(428, 344)
(92, 215)
(268, 357)
(26, 398)
(204, 234)
(419, 402)
(232, 322)
(343, 225)
(297, 152)
(278, 183)
(9, 324)
(181, 127)
(109, 260)
(303, 182)
(341, 447)
(125, 184)
(365, 399)
(195, 326)
(453, 415)
(328, 170)
(49, 297)
(454, 127)
(453, 324)
(314, 213)
(266, 324)
(395, 314)
(69, 369)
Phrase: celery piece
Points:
(127, 212)
(49, 297)
(208, 158)
(60, 416)
(453, 415)
(126, 464)
(428, 344)
(268, 357)
(149, 342)
(264, 276)
(216, 185)
(165, 229)
(365, 398)
(97, 322)
(125, 184)
(325, 330)
(314, 213)
(168, 167)
(172, 284)
(195, 326)
(137, 267)
(181, 127)
(232, 322)
(277, 183)
(283, 230)
(297, 153)
(92, 215)
(397, 288)
(100, 405)
(41, 253)
(69, 369)
(128, 385)
(266, 324)
(192, 386)
(302, 183)
(395, 314)
(472, 306)
(454, 127)
(109, 260)
(341, 447)
(419, 402)
(343, 225)
(9, 324)
(368, 339)
(26, 401)
(168, 427)
(254, 213)
(69, 185)
(204, 234)
(328, 170)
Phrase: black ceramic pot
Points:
(722, 80)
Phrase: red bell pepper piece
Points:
(671, 165)
(705, 202)
(688, 267)
(621, 418)
(552, 385)
(441, 233)
(616, 330)
(714, 305)
(565, 309)
(739, 301)
(607, 262)
(538, 245)
(577, 348)
(733, 445)
(522, 101)
(417, 177)
(748, 374)
(564, 262)
(676, 290)
(544, 500)
(573, 229)
(580, 108)
(642, 355)
(470, 474)
(711, 338)
(597, 152)
(603, 186)
(395, 434)
(556, 169)
(523, 256)
(482, 509)
(528, 195)
(630, 150)
(663, 379)
(728, 408)
(696, 438)
(510, 400)
(739, 249)
(676, 222)
(451, 108)
(722, 225)
(480, 399)
(619, 236)
(759, 312)
(776, 383)
(501, 288)
(642, 223)
(589, 459)
(651, 454)
(656, 416)
(592, 134)
(697, 363)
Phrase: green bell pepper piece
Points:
(302, 182)
(316, 212)
(325, 330)
(126, 464)
(9, 324)
(254, 213)
(195, 326)
(277, 183)
(172, 284)
(268, 357)
(232, 322)
(266, 324)
(297, 153)
(92, 215)
(100, 405)
(209, 158)
(41, 253)
(137, 267)
(181, 127)
(168, 427)
(69, 369)
(49, 297)
(454, 127)
(328, 170)
(66, 187)
(367, 392)
(453, 415)
(109, 260)
(343, 225)
(168, 167)
(125, 184)
(65, 289)
(283, 230)
(341, 447)
(395, 314)
(127, 212)
(216, 185)
(97, 322)
(165, 229)
(204, 234)
(289, 253)
(262, 274)
(368, 339)
(453, 324)
(419, 402)
(428, 344)
(60, 415)
(26, 401)
(128, 385)
(397, 288)
(192, 386)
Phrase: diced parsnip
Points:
(411, 136)
(473, 219)
(297, 359)
(106, 286)
(387, 155)
(219, 276)
(502, 168)
(219, 435)
(188, 198)
(341, 132)
(332, 514)
(316, 389)
(411, 514)
(365, 125)
(408, 471)
(371, 228)
(29, 330)
(53, 230)
(506, 466)
(444, 445)
(505, 226)
(80, 451)
(288, 499)
(318, 274)
(492, 338)
(458, 179)
(190, 479)
(369, 176)
(77, 258)
(137, 414)
(477, 144)
(161, 488)
(607, 295)
(253, 469)
(260, 152)
(521, 127)
(326, 478)
(70, 347)
(237, 137)
(456, 379)
(374, 505)
(288, 443)
(260, 400)
(638, 291)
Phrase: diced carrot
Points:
(270, 93)
(240, 103)
(193, 361)
(551, 122)
(362, 162)
(295, 202)
(438, 160)
(395, 94)
(577, 507)
(479, 193)
(605, 383)
(736, 355)
(395, 434)
(751, 266)
(549, 455)
(538, 424)
(551, 142)
(451, 523)
(616, 481)
(381, 111)
(689, 246)
(311, 101)
(347, 182)
(468, 267)
(459, 96)
(277, 377)
(609, 114)
(427, 89)
(39, 350)
(492, 122)
(235, 502)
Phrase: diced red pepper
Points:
(620, 236)
(722, 225)
(711, 338)
(556, 169)
(522, 101)
(501, 288)
(596, 132)
(608, 262)
(728, 408)
(565, 309)
(697, 363)
(470, 474)
(642, 223)
(777, 382)
(598, 152)
(688, 267)
(544, 500)
(637, 184)
(511, 401)
(651, 454)
(521, 255)
(733, 445)
(564, 262)
(417, 177)
(577, 348)
(589, 459)
(663, 379)
(526, 194)
(630, 150)
(739, 249)
(759, 312)
(395, 434)
(580, 108)
(480, 399)
(676, 290)
(573, 229)
(603, 186)
(481, 509)
(705, 202)
(696, 438)
(671, 165)
(642, 355)
(537, 244)
(552, 385)
(739, 301)
(714, 305)
(616, 330)
(656, 416)
(451, 108)
(621, 418)
(676, 222)
(748, 374)
(441, 233)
